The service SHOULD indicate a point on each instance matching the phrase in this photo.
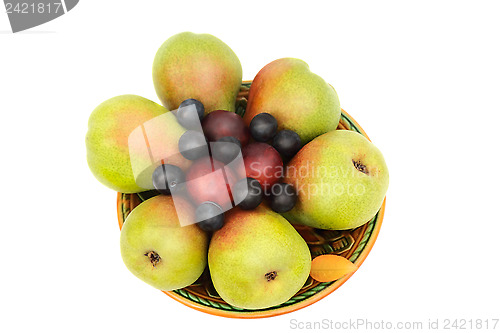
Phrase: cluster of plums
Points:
(228, 135)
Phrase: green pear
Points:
(341, 179)
(257, 260)
(198, 66)
(300, 100)
(158, 250)
(118, 154)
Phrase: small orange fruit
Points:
(330, 267)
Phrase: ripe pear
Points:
(257, 260)
(118, 153)
(341, 179)
(158, 250)
(198, 66)
(300, 100)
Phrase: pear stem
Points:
(271, 275)
(360, 167)
(153, 257)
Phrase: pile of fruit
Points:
(227, 187)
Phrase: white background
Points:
(422, 78)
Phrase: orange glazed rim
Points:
(346, 123)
